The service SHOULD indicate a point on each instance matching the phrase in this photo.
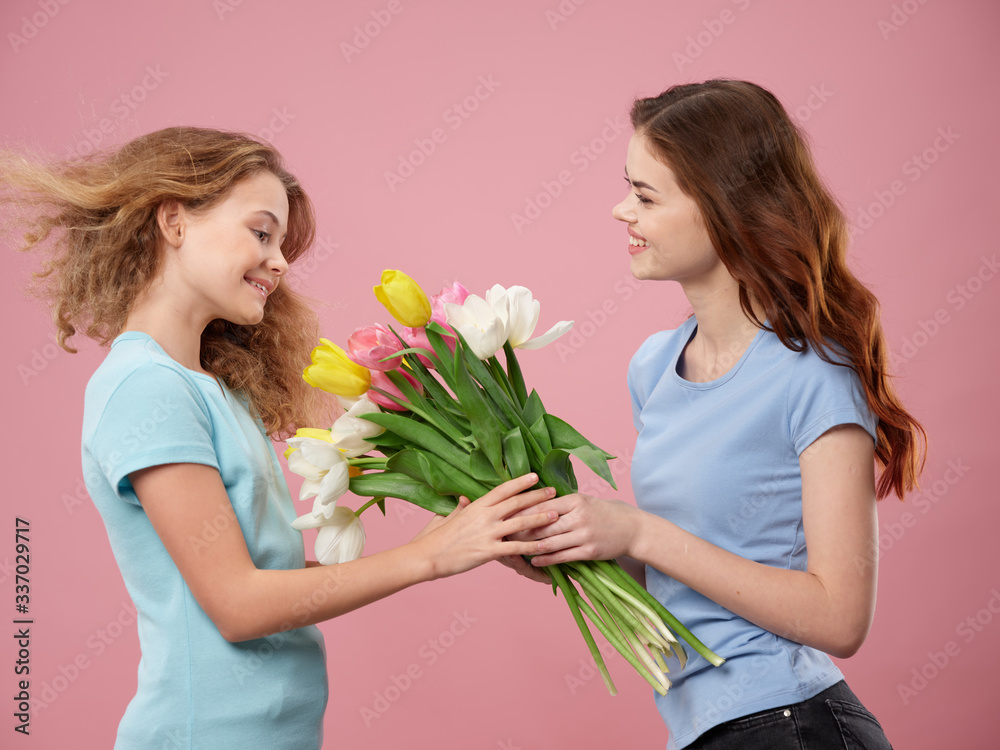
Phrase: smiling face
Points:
(666, 231)
(227, 260)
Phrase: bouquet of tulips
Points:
(446, 419)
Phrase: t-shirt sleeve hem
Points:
(828, 421)
(119, 476)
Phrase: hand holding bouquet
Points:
(432, 415)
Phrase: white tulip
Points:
(349, 431)
(484, 327)
(322, 464)
(522, 310)
(341, 538)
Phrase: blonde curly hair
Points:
(97, 220)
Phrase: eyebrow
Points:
(269, 215)
(640, 184)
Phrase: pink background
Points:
(899, 100)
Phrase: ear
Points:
(171, 218)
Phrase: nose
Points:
(276, 263)
(625, 210)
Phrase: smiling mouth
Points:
(263, 289)
(635, 241)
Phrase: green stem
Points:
(367, 505)
(501, 377)
(641, 607)
(574, 601)
(638, 649)
(368, 462)
(621, 647)
(612, 596)
(615, 571)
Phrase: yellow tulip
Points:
(404, 298)
(334, 372)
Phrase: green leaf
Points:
(423, 435)
(435, 334)
(533, 408)
(448, 480)
(541, 434)
(442, 477)
(407, 462)
(386, 439)
(557, 471)
(505, 411)
(482, 419)
(391, 484)
(481, 468)
(594, 460)
(515, 375)
(381, 505)
(515, 453)
(564, 435)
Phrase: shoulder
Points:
(137, 373)
(823, 394)
(652, 359)
(658, 350)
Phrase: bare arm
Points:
(245, 602)
(828, 606)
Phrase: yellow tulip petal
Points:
(317, 433)
(403, 298)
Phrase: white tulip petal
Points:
(320, 453)
(523, 312)
(323, 510)
(348, 403)
(297, 464)
(353, 446)
(353, 426)
(310, 488)
(334, 484)
(341, 539)
(549, 336)
(308, 521)
(483, 328)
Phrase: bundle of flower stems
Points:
(455, 422)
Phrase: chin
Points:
(250, 319)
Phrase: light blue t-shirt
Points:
(721, 460)
(195, 689)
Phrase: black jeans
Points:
(834, 718)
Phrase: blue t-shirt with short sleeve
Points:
(195, 689)
(721, 460)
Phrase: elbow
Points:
(847, 649)
(233, 629)
(849, 640)
(234, 624)
(234, 634)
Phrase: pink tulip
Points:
(381, 380)
(456, 294)
(417, 339)
(369, 345)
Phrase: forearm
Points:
(269, 601)
(798, 605)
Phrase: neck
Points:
(724, 330)
(172, 326)
(721, 320)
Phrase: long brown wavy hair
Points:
(97, 219)
(784, 239)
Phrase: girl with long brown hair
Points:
(760, 422)
(174, 250)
